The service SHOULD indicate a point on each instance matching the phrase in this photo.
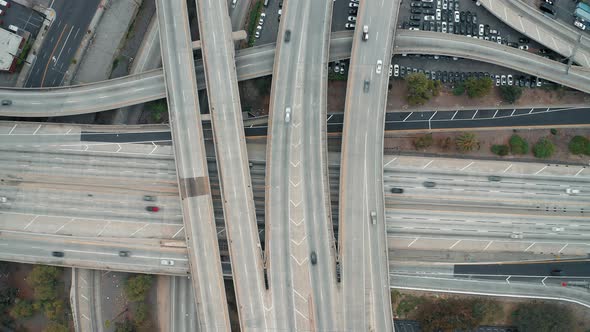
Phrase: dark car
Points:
(6, 102)
(474, 19)
(429, 184)
(352, 11)
(494, 178)
(416, 4)
(428, 11)
(427, 5)
(57, 254)
(124, 253)
(414, 24)
(556, 272)
(462, 16)
(313, 258)
(524, 40)
(287, 35)
(152, 208)
(415, 17)
(416, 10)
(397, 191)
(366, 86)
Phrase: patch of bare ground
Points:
(580, 313)
(404, 142)
(396, 99)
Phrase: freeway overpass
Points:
(258, 61)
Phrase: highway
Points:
(362, 240)
(258, 61)
(191, 165)
(529, 21)
(297, 194)
(232, 162)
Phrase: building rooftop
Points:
(9, 44)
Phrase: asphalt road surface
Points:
(61, 43)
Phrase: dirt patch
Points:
(396, 142)
(396, 98)
(580, 313)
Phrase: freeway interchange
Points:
(297, 277)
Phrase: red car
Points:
(152, 208)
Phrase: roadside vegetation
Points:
(510, 93)
(137, 288)
(157, 109)
(253, 22)
(421, 89)
(466, 313)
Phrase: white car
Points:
(429, 18)
(499, 40)
(353, 5)
(524, 47)
(516, 236)
(379, 66)
(497, 80)
(481, 30)
(4, 199)
(168, 262)
(257, 34)
(351, 18)
(457, 16)
(580, 25)
(336, 67)
(390, 70)
(288, 114)
(438, 13)
(503, 79)
(414, 29)
(557, 229)
(259, 27)
(444, 27)
(349, 25)
(445, 4)
(572, 191)
(396, 70)
(509, 78)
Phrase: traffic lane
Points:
(61, 42)
(577, 268)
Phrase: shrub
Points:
(553, 131)
(141, 313)
(445, 144)
(544, 148)
(423, 142)
(578, 145)
(421, 89)
(518, 145)
(510, 93)
(477, 88)
(44, 280)
(500, 150)
(467, 142)
(56, 327)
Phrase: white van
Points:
(4, 4)
(13, 28)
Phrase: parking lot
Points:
(22, 17)
(564, 10)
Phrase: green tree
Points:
(56, 327)
(544, 148)
(510, 93)
(421, 89)
(125, 326)
(578, 145)
(478, 87)
(136, 287)
(54, 310)
(467, 142)
(7, 298)
(141, 313)
(500, 150)
(44, 281)
(423, 142)
(459, 89)
(21, 309)
(543, 317)
(158, 108)
(518, 145)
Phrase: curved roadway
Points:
(258, 61)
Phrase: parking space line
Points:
(456, 243)
(430, 162)
(474, 114)
(489, 244)
(542, 169)
(495, 114)
(514, 110)
(507, 168)
(453, 118)
(543, 281)
(409, 245)
(563, 248)
(531, 111)
(404, 120)
(580, 171)
(464, 168)
(529, 247)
